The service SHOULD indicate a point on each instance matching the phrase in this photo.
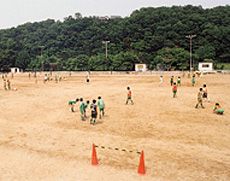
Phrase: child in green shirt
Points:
(83, 107)
(193, 80)
(72, 103)
(179, 81)
(101, 106)
(217, 109)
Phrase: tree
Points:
(171, 58)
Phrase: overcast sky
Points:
(16, 12)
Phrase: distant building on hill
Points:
(103, 18)
(108, 18)
(115, 17)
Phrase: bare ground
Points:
(40, 139)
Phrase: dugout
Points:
(140, 67)
(205, 67)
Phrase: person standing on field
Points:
(178, 81)
(174, 89)
(161, 80)
(200, 99)
(193, 80)
(93, 107)
(171, 80)
(129, 96)
(101, 106)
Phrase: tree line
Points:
(155, 36)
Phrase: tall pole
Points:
(106, 49)
(190, 43)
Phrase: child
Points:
(101, 106)
(161, 80)
(8, 84)
(178, 81)
(217, 109)
(87, 78)
(71, 103)
(83, 107)
(93, 107)
(199, 98)
(193, 80)
(205, 92)
(129, 96)
(171, 80)
(45, 78)
(174, 89)
(5, 86)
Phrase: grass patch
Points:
(223, 66)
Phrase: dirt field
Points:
(40, 139)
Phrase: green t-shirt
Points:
(193, 80)
(101, 104)
(83, 107)
(72, 102)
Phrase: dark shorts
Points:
(101, 109)
(205, 95)
(93, 114)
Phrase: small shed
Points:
(205, 66)
(15, 70)
(140, 67)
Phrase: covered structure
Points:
(205, 66)
(15, 70)
(140, 67)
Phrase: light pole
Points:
(106, 49)
(190, 38)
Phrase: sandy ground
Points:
(40, 139)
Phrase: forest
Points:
(154, 36)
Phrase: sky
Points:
(17, 12)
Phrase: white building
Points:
(205, 67)
(15, 70)
(140, 67)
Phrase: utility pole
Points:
(190, 40)
(106, 49)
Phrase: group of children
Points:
(6, 82)
(93, 107)
(202, 94)
(175, 84)
(178, 81)
(48, 77)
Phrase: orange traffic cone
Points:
(141, 168)
(94, 156)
